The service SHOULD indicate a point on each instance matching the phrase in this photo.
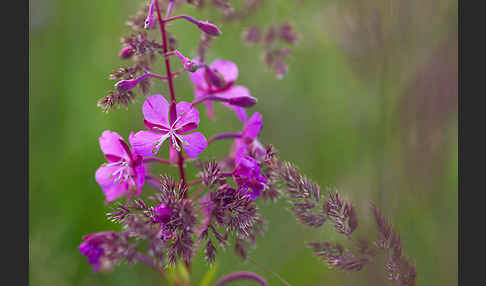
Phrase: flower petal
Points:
(236, 91)
(240, 112)
(187, 117)
(253, 126)
(105, 179)
(240, 152)
(194, 144)
(228, 69)
(143, 142)
(139, 177)
(156, 110)
(197, 77)
(111, 146)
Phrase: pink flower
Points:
(218, 79)
(124, 170)
(93, 247)
(162, 214)
(248, 141)
(248, 178)
(156, 114)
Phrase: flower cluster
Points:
(276, 41)
(219, 208)
(182, 214)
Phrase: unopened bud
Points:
(209, 28)
(190, 65)
(243, 101)
(126, 52)
(126, 84)
(149, 21)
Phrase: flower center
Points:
(175, 138)
(123, 173)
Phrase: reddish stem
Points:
(195, 182)
(173, 111)
(156, 159)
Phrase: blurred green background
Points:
(369, 106)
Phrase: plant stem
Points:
(173, 111)
(224, 136)
(156, 159)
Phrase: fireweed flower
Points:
(161, 214)
(93, 247)
(156, 114)
(248, 177)
(125, 169)
(218, 80)
(248, 141)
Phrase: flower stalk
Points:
(170, 81)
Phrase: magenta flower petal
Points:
(259, 151)
(194, 144)
(240, 150)
(147, 143)
(156, 110)
(140, 177)
(227, 69)
(162, 214)
(247, 175)
(236, 91)
(240, 112)
(197, 77)
(115, 191)
(253, 126)
(111, 146)
(105, 179)
(104, 173)
(187, 117)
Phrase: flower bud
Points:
(162, 214)
(209, 28)
(214, 78)
(149, 21)
(126, 84)
(252, 35)
(243, 101)
(190, 65)
(126, 52)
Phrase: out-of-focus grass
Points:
(336, 115)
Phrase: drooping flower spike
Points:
(124, 171)
(156, 114)
(218, 80)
